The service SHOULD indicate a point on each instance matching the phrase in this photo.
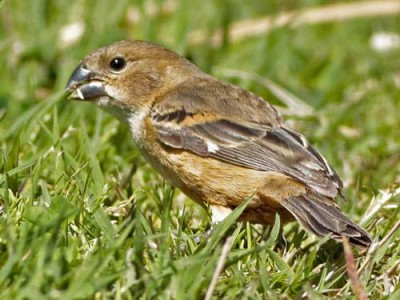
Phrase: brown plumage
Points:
(218, 143)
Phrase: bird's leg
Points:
(218, 214)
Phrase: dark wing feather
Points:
(266, 149)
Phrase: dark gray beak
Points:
(84, 85)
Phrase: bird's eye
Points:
(117, 63)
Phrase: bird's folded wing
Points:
(246, 144)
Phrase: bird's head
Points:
(127, 75)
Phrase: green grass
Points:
(83, 216)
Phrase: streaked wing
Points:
(273, 149)
(242, 141)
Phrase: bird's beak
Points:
(84, 84)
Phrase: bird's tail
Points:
(322, 219)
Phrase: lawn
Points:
(83, 216)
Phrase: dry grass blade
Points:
(378, 202)
(294, 105)
(356, 285)
(375, 246)
(390, 234)
(220, 264)
(335, 12)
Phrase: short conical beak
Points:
(79, 76)
(82, 85)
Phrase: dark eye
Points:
(117, 63)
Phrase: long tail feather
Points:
(323, 219)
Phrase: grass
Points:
(83, 216)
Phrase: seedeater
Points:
(218, 143)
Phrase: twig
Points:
(356, 285)
(220, 264)
(329, 13)
(373, 248)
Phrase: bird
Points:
(217, 142)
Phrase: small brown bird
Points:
(217, 142)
